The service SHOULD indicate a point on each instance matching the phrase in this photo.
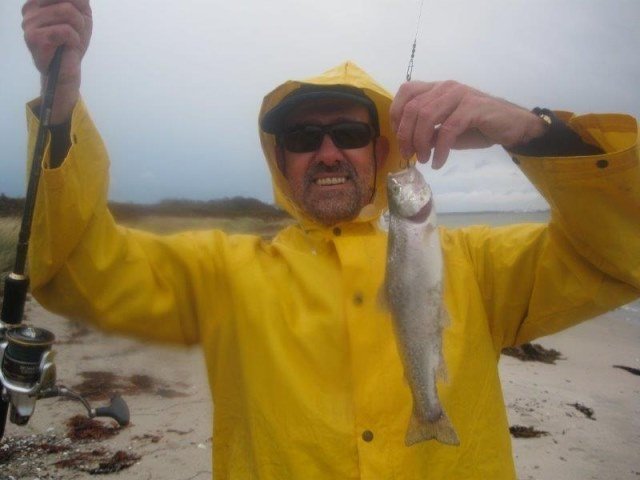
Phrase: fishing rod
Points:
(27, 368)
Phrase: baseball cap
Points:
(272, 121)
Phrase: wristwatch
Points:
(558, 140)
(545, 114)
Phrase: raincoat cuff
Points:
(615, 134)
(68, 196)
(81, 181)
(592, 197)
(86, 146)
(558, 140)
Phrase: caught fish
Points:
(413, 293)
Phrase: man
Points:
(303, 367)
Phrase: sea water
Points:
(494, 219)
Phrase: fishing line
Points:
(413, 54)
(415, 41)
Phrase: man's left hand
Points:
(441, 116)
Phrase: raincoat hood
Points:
(348, 74)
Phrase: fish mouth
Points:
(422, 214)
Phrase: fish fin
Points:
(441, 430)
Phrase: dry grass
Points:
(165, 225)
(9, 227)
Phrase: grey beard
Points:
(329, 211)
(342, 207)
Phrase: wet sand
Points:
(166, 389)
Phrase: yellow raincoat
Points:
(303, 367)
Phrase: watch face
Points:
(545, 117)
(545, 114)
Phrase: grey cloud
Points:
(175, 87)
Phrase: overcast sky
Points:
(175, 87)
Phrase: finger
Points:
(45, 41)
(423, 113)
(448, 133)
(58, 14)
(423, 132)
(82, 5)
(406, 132)
(406, 127)
(28, 6)
(435, 109)
(406, 93)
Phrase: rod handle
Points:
(15, 296)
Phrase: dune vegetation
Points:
(265, 227)
(233, 215)
(9, 227)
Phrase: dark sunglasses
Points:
(345, 135)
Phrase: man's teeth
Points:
(331, 181)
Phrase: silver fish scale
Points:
(415, 299)
(413, 288)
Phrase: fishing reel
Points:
(28, 374)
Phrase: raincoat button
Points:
(602, 164)
(337, 232)
(367, 435)
(358, 298)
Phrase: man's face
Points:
(331, 184)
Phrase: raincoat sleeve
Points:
(538, 279)
(84, 266)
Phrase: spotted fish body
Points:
(413, 293)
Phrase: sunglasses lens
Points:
(351, 135)
(304, 139)
(346, 135)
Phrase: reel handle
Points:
(117, 409)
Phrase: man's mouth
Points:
(325, 181)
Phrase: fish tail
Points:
(421, 430)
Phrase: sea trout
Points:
(412, 291)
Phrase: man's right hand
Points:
(47, 24)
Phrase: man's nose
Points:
(328, 153)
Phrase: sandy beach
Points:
(539, 395)
(170, 430)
